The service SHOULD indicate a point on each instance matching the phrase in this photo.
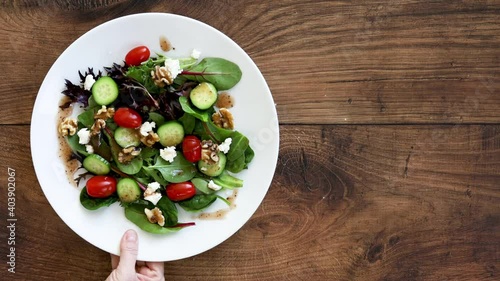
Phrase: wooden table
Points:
(389, 164)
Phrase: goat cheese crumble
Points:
(212, 185)
(83, 136)
(89, 82)
(153, 198)
(146, 128)
(195, 54)
(173, 67)
(168, 153)
(225, 145)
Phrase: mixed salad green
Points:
(151, 138)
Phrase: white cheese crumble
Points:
(224, 146)
(89, 82)
(153, 198)
(83, 136)
(212, 185)
(89, 148)
(173, 67)
(154, 186)
(168, 153)
(147, 127)
(195, 54)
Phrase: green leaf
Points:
(76, 147)
(209, 130)
(135, 213)
(195, 112)
(249, 154)
(198, 202)
(86, 118)
(202, 185)
(223, 74)
(91, 203)
(238, 146)
(142, 74)
(179, 170)
(228, 181)
(157, 118)
(131, 168)
(185, 63)
(236, 165)
(188, 121)
(169, 211)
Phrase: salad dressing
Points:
(165, 45)
(225, 100)
(65, 152)
(221, 213)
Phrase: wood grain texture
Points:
(346, 203)
(326, 62)
(389, 164)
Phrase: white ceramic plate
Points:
(254, 112)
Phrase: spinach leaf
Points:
(135, 213)
(236, 165)
(86, 118)
(168, 210)
(185, 63)
(198, 202)
(131, 168)
(249, 154)
(142, 74)
(157, 118)
(223, 74)
(188, 121)
(155, 175)
(238, 146)
(76, 147)
(202, 185)
(209, 130)
(91, 203)
(178, 171)
(228, 181)
(195, 112)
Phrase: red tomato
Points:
(137, 55)
(101, 186)
(191, 148)
(127, 118)
(180, 191)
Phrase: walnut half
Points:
(128, 154)
(223, 119)
(155, 216)
(68, 127)
(98, 125)
(150, 139)
(209, 152)
(161, 76)
(104, 113)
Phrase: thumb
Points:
(129, 246)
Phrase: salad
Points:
(152, 139)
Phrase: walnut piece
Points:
(150, 139)
(161, 76)
(128, 154)
(223, 119)
(155, 216)
(68, 127)
(209, 152)
(104, 113)
(96, 128)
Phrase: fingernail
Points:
(131, 236)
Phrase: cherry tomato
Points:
(137, 55)
(180, 191)
(191, 148)
(127, 118)
(101, 186)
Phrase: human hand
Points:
(127, 268)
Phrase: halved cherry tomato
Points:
(101, 186)
(137, 55)
(191, 148)
(127, 117)
(180, 191)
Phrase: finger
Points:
(128, 252)
(114, 261)
(158, 267)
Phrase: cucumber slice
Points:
(215, 169)
(171, 133)
(96, 164)
(105, 90)
(203, 96)
(126, 137)
(128, 190)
